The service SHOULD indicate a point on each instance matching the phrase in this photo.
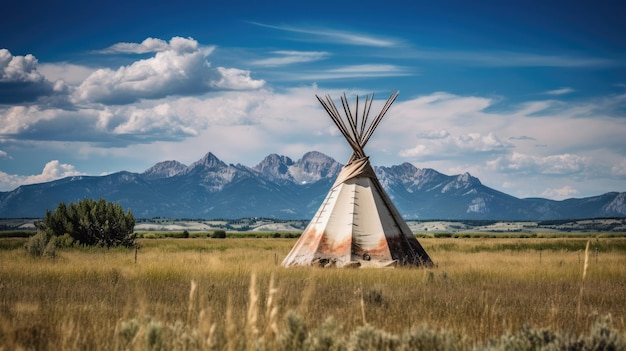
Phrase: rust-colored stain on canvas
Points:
(327, 245)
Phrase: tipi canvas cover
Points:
(357, 224)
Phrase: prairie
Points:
(232, 293)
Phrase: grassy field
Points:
(232, 293)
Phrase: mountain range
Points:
(281, 188)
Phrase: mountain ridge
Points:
(279, 187)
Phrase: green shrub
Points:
(154, 336)
(91, 223)
(151, 334)
(219, 234)
(369, 338)
(426, 338)
(41, 245)
(295, 334)
(326, 337)
(64, 241)
(128, 330)
(601, 337)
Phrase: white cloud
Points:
(16, 119)
(540, 60)
(20, 81)
(564, 164)
(448, 146)
(441, 108)
(336, 36)
(4, 155)
(513, 59)
(67, 72)
(235, 79)
(52, 170)
(619, 169)
(368, 69)
(433, 134)
(179, 69)
(146, 46)
(161, 120)
(560, 91)
(352, 71)
(481, 143)
(565, 192)
(18, 68)
(291, 57)
(416, 152)
(115, 127)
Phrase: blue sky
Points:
(530, 97)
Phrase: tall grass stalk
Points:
(271, 312)
(362, 303)
(252, 330)
(582, 282)
(231, 328)
(192, 305)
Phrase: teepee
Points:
(357, 224)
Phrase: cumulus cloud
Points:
(433, 134)
(115, 127)
(20, 81)
(180, 68)
(416, 152)
(171, 119)
(619, 169)
(35, 123)
(480, 143)
(67, 72)
(162, 121)
(52, 170)
(146, 46)
(18, 68)
(235, 79)
(564, 164)
(442, 144)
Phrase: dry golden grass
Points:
(235, 290)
